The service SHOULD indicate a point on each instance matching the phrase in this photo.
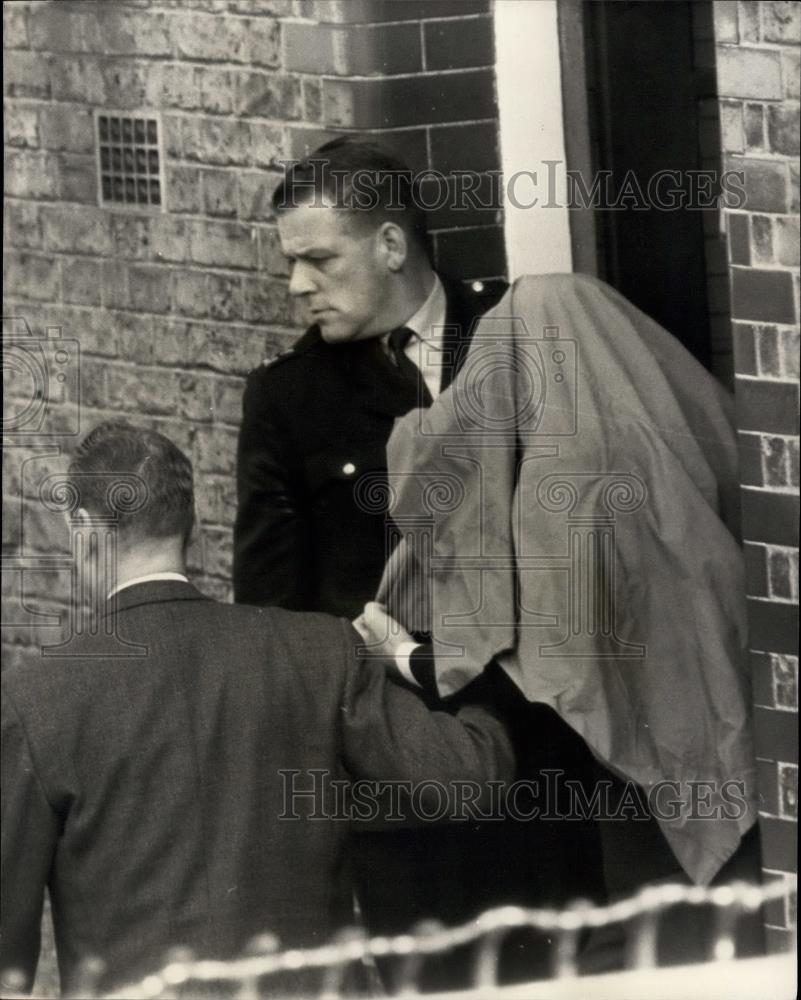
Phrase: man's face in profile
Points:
(337, 270)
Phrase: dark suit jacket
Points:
(146, 792)
(314, 421)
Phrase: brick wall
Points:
(171, 308)
(757, 56)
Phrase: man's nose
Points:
(300, 280)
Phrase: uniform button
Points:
(478, 286)
(349, 468)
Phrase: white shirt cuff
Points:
(402, 661)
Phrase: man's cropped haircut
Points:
(358, 176)
(119, 449)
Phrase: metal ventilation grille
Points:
(129, 160)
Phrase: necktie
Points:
(398, 341)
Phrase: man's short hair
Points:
(359, 176)
(165, 507)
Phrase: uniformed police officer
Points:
(387, 334)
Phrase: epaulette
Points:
(288, 353)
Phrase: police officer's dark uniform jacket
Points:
(315, 423)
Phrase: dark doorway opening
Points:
(641, 90)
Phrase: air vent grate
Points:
(129, 160)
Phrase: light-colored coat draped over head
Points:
(569, 506)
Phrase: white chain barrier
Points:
(487, 932)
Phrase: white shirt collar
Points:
(429, 319)
(148, 578)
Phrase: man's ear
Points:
(81, 516)
(392, 245)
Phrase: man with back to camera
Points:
(145, 791)
(315, 422)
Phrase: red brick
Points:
(745, 72)
(739, 238)
(471, 147)
(150, 289)
(271, 259)
(30, 174)
(783, 573)
(409, 100)
(137, 391)
(77, 78)
(173, 85)
(471, 253)
(783, 130)
(772, 518)
(765, 183)
(115, 285)
(787, 241)
(355, 50)
(781, 21)
(773, 626)
(216, 140)
(754, 126)
(791, 73)
(228, 401)
(215, 450)
(266, 95)
(183, 189)
(218, 552)
(20, 126)
(68, 128)
(169, 238)
(779, 843)
(130, 235)
(312, 99)
(767, 787)
(82, 282)
(264, 42)
(267, 302)
(789, 352)
(21, 225)
(761, 240)
(190, 295)
(63, 28)
(76, 230)
(127, 84)
(220, 193)
(222, 244)
(25, 74)
(785, 681)
(765, 296)
(731, 126)
(194, 396)
(141, 32)
(77, 178)
(750, 29)
(756, 570)
(217, 89)
(32, 277)
(255, 194)
(267, 146)
(776, 461)
(761, 672)
(459, 44)
(225, 297)
(725, 21)
(750, 451)
(15, 26)
(770, 407)
(209, 37)
(377, 11)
